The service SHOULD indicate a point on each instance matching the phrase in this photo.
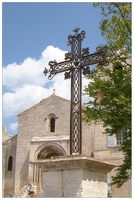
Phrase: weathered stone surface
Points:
(9, 149)
(34, 138)
(75, 176)
(5, 136)
(74, 163)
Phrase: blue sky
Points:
(32, 35)
(29, 27)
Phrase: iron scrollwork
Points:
(85, 51)
(46, 71)
(101, 48)
(68, 56)
(67, 75)
(86, 70)
(83, 33)
(97, 57)
(70, 39)
(76, 62)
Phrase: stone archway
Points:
(49, 150)
(45, 151)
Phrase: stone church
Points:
(44, 133)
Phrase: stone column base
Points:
(75, 176)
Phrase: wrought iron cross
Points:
(76, 62)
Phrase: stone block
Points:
(75, 176)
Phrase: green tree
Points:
(116, 24)
(111, 88)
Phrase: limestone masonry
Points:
(43, 135)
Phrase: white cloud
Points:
(31, 70)
(13, 126)
(53, 53)
(23, 98)
(26, 82)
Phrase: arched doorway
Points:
(50, 151)
(44, 152)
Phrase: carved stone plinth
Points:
(74, 176)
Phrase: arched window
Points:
(10, 163)
(52, 125)
(52, 122)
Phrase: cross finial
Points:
(53, 91)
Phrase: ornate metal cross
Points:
(76, 62)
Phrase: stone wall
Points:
(34, 135)
(5, 136)
(34, 122)
(8, 149)
(112, 155)
(75, 176)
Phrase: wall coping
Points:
(75, 162)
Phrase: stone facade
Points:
(8, 151)
(43, 132)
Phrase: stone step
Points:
(39, 195)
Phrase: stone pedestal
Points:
(75, 176)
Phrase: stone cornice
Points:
(75, 162)
(51, 138)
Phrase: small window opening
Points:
(10, 163)
(52, 125)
